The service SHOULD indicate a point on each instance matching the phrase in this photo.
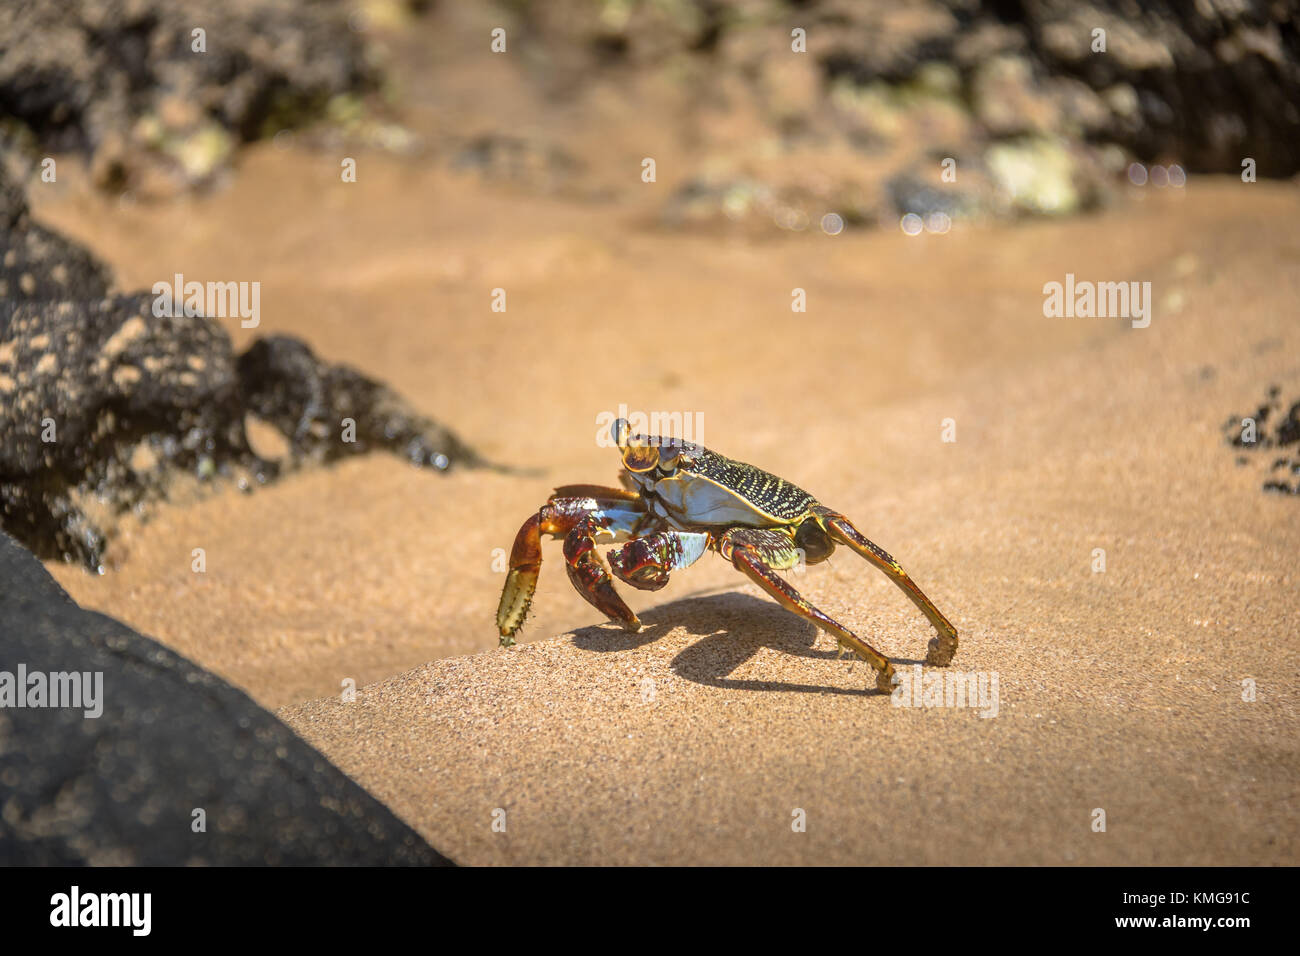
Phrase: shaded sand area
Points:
(696, 740)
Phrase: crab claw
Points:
(521, 580)
(592, 580)
(638, 566)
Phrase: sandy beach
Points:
(1120, 690)
(700, 739)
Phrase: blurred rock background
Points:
(1037, 117)
(763, 117)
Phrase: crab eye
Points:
(640, 458)
(618, 431)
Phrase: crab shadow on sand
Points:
(734, 626)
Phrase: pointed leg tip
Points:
(885, 680)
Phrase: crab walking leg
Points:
(751, 551)
(943, 646)
(646, 563)
(557, 518)
(588, 574)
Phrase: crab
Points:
(680, 500)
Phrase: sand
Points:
(697, 740)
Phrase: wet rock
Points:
(178, 767)
(37, 264)
(123, 81)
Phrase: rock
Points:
(724, 203)
(89, 383)
(517, 161)
(1037, 176)
(108, 408)
(1277, 432)
(93, 388)
(121, 80)
(1215, 80)
(123, 787)
(310, 401)
(36, 263)
(1008, 99)
(910, 194)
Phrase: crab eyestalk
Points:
(638, 456)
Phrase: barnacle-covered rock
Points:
(103, 404)
(109, 405)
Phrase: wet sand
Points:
(1119, 690)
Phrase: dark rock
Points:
(103, 404)
(120, 80)
(1216, 81)
(107, 408)
(515, 160)
(1207, 83)
(121, 788)
(908, 193)
(13, 201)
(1274, 429)
(308, 400)
(36, 263)
(1204, 84)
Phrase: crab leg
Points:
(569, 507)
(645, 563)
(944, 645)
(759, 554)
